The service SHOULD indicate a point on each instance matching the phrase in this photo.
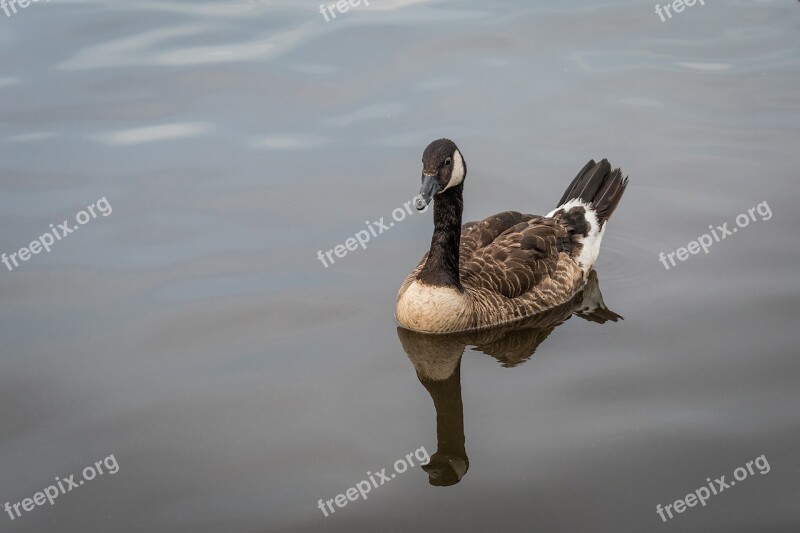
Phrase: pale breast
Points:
(432, 309)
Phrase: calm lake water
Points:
(191, 331)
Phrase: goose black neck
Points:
(441, 268)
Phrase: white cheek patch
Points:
(457, 176)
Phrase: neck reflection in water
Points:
(437, 360)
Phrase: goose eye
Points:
(447, 162)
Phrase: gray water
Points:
(193, 333)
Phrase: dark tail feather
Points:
(598, 185)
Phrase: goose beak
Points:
(430, 186)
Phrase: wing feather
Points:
(511, 254)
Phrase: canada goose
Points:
(508, 266)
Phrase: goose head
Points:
(443, 168)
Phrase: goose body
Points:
(509, 266)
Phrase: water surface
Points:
(194, 334)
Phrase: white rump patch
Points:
(590, 243)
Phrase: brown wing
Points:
(477, 235)
(511, 254)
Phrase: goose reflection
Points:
(437, 360)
